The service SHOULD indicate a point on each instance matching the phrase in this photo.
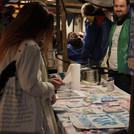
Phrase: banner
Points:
(130, 57)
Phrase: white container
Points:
(90, 76)
(72, 78)
(75, 74)
(110, 84)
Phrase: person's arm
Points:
(80, 34)
(88, 41)
(30, 75)
(56, 81)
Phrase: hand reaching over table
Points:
(56, 81)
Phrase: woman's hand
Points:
(56, 81)
(53, 99)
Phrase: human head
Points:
(37, 20)
(74, 40)
(72, 36)
(128, 2)
(32, 22)
(87, 9)
(121, 8)
(10, 9)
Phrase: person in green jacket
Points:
(118, 45)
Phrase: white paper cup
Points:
(110, 84)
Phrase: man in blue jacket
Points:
(96, 36)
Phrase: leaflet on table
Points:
(60, 106)
(108, 99)
(94, 90)
(86, 110)
(126, 106)
(100, 121)
(80, 103)
(113, 109)
(115, 93)
(83, 110)
(86, 101)
(122, 103)
(97, 91)
(70, 94)
(60, 109)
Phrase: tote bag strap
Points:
(8, 72)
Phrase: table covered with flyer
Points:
(92, 109)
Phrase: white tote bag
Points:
(19, 112)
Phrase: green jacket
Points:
(122, 45)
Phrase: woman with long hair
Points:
(26, 95)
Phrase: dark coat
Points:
(96, 39)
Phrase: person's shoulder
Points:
(128, 19)
(109, 21)
(27, 47)
(87, 21)
(29, 44)
(69, 46)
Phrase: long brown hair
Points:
(32, 22)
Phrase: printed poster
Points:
(100, 121)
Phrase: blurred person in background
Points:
(74, 48)
(97, 29)
(6, 17)
(118, 45)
